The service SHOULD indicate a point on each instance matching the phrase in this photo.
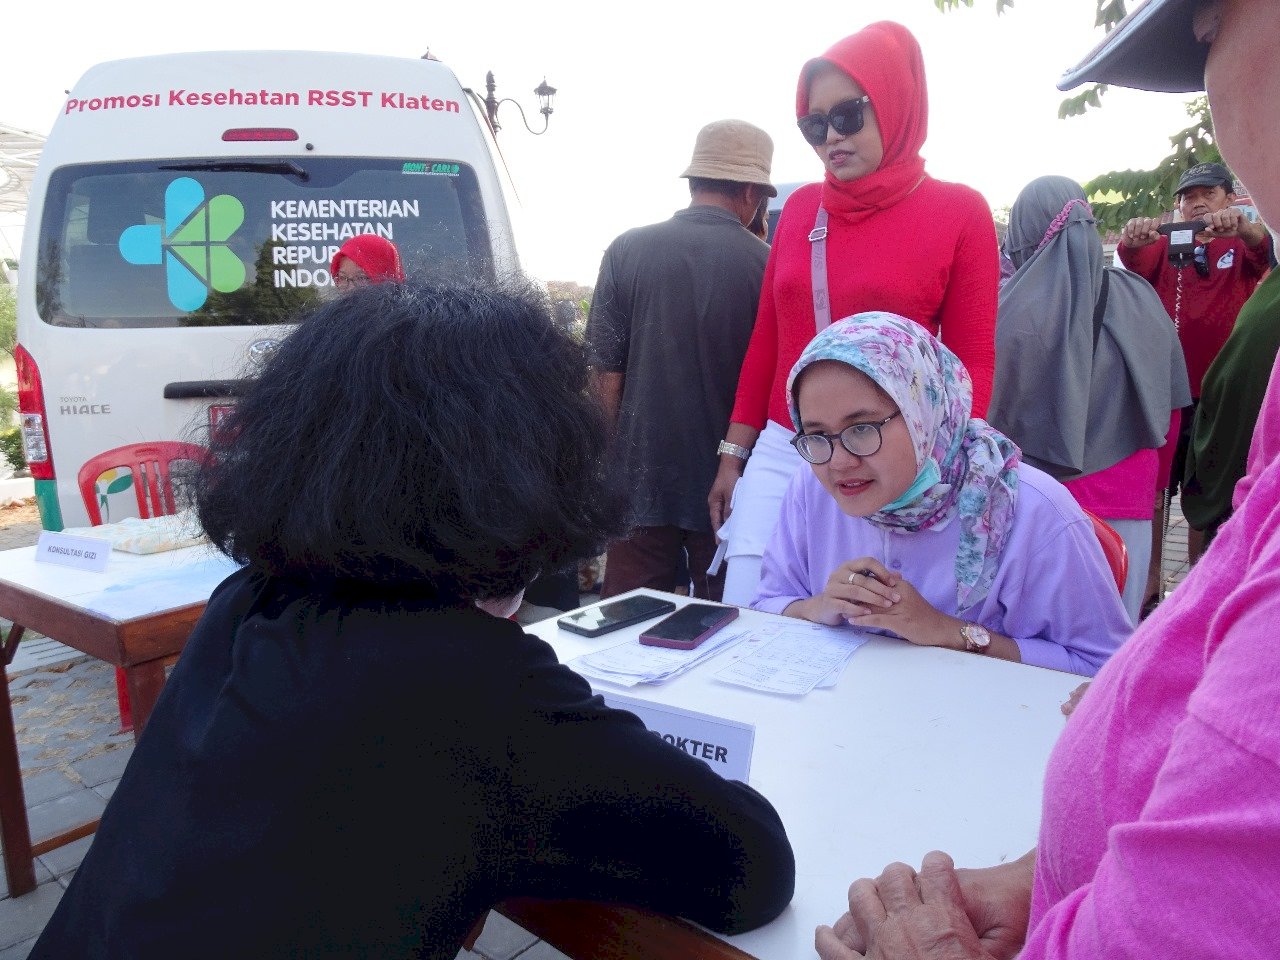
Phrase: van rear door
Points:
(161, 283)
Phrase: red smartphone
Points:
(688, 626)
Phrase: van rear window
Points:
(241, 241)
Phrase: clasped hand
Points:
(865, 593)
(939, 913)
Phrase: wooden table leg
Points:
(15, 832)
(146, 680)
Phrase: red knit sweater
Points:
(932, 258)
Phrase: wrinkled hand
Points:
(998, 904)
(721, 494)
(1073, 701)
(902, 915)
(1140, 232)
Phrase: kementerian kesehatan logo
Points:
(191, 244)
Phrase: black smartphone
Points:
(614, 615)
(688, 626)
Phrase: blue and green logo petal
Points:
(191, 244)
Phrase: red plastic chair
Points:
(152, 482)
(1113, 549)
(149, 464)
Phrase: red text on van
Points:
(338, 98)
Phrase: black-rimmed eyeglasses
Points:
(845, 118)
(860, 439)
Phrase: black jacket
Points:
(355, 774)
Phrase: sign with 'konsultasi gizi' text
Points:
(83, 553)
(723, 745)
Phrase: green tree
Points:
(8, 340)
(1120, 195)
(8, 319)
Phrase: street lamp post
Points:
(544, 92)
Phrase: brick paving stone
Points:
(65, 859)
(502, 939)
(19, 951)
(19, 535)
(47, 785)
(102, 767)
(542, 951)
(65, 813)
(22, 918)
(105, 790)
(43, 875)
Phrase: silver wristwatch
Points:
(733, 449)
(976, 637)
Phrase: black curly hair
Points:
(435, 435)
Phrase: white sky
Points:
(637, 82)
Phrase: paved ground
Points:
(73, 753)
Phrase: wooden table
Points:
(914, 749)
(136, 615)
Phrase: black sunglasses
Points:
(844, 118)
(1201, 259)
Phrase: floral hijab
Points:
(966, 468)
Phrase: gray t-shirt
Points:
(673, 311)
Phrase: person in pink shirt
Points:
(1161, 822)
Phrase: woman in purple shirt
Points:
(920, 521)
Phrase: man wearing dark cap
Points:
(671, 316)
(1160, 827)
(1203, 293)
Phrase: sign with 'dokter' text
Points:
(723, 745)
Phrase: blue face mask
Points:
(928, 476)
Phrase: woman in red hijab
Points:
(365, 259)
(878, 233)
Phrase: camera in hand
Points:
(1183, 249)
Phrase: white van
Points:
(186, 208)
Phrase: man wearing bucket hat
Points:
(1160, 831)
(1203, 291)
(671, 316)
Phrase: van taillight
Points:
(35, 431)
(237, 134)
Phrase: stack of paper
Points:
(153, 535)
(793, 659)
(632, 662)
